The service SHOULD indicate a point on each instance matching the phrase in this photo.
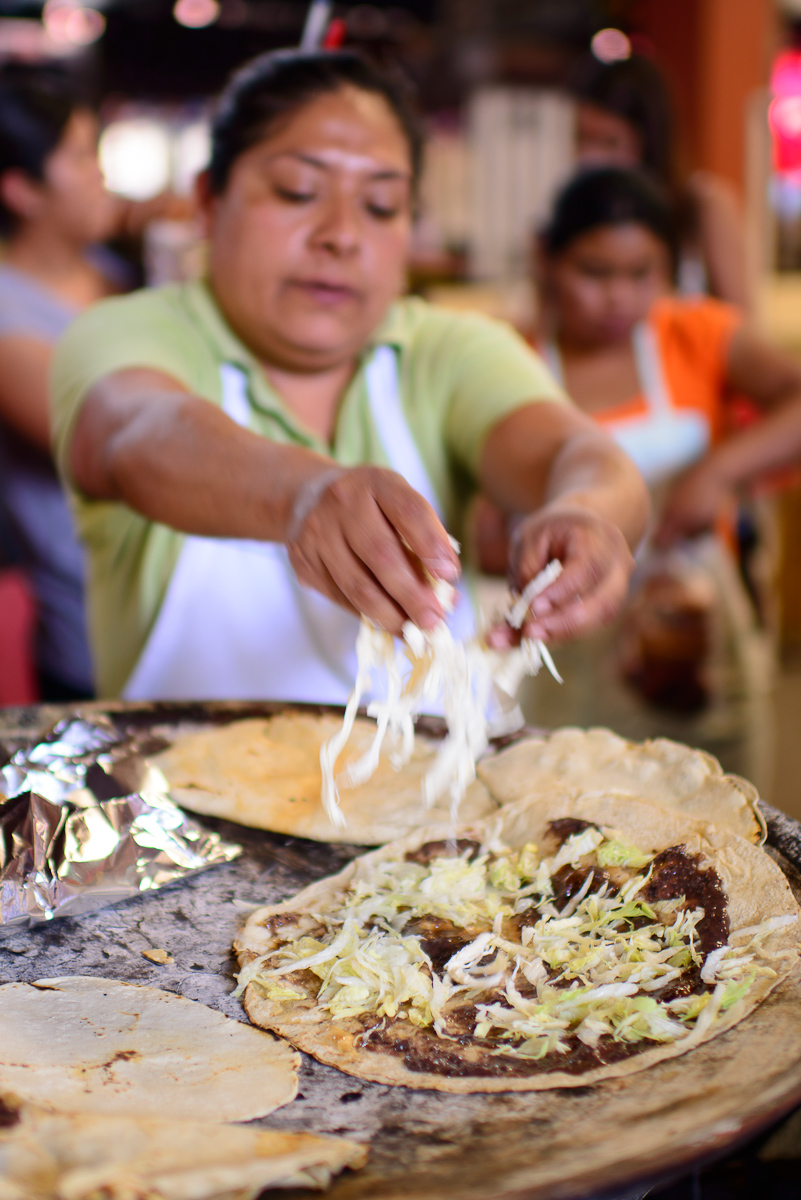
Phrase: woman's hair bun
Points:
(610, 196)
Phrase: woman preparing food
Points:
(257, 458)
(656, 372)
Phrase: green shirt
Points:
(459, 375)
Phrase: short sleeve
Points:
(146, 329)
(491, 372)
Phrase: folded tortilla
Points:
(265, 773)
(579, 762)
(57, 1156)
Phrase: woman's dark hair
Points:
(632, 88)
(275, 85)
(610, 196)
(35, 108)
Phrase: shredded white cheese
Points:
(468, 678)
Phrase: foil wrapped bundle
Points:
(86, 821)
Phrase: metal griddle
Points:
(571, 1143)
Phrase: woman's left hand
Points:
(693, 506)
(596, 567)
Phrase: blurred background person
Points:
(656, 371)
(624, 117)
(200, 426)
(53, 209)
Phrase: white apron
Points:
(668, 439)
(235, 622)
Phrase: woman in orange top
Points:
(657, 372)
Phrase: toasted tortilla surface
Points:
(82, 1044)
(579, 762)
(63, 1156)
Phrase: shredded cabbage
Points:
(617, 853)
(536, 973)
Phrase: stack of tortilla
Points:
(265, 773)
(114, 1089)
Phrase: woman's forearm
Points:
(180, 460)
(773, 442)
(356, 534)
(552, 455)
(591, 472)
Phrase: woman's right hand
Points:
(359, 535)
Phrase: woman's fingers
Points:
(354, 537)
(596, 567)
(584, 613)
(695, 502)
(418, 525)
(362, 540)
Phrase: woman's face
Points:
(308, 242)
(603, 139)
(72, 196)
(605, 281)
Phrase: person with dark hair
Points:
(624, 118)
(259, 457)
(53, 207)
(657, 372)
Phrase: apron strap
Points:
(648, 361)
(235, 394)
(386, 412)
(651, 373)
(389, 419)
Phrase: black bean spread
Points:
(568, 881)
(677, 873)
(425, 1053)
(566, 827)
(426, 853)
(439, 938)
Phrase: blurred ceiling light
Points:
(610, 45)
(72, 22)
(785, 116)
(191, 153)
(196, 14)
(785, 77)
(136, 158)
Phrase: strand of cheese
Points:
(467, 676)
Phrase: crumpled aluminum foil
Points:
(85, 821)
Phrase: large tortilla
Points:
(266, 773)
(579, 762)
(55, 1156)
(81, 1044)
(754, 885)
